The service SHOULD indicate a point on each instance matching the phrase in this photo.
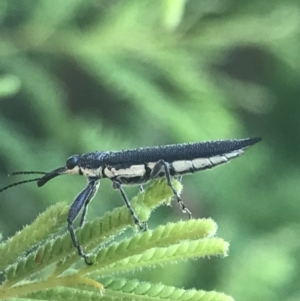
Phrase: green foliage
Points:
(84, 75)
(52, 269)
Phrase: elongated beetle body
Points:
(136, 167)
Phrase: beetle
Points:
(137, 167)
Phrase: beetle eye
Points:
(72, 162)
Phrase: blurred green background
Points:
(84, 75)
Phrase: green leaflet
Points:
(52, 270)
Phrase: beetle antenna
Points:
(27, 173)
(19, 183)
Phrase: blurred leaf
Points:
(173, 12)
(9, 85)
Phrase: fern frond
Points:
(46, 224)
(54, 271)
(158, 256)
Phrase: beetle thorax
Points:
(91, 172)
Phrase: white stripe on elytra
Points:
(179, 166)
(132, 171)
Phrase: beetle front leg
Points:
(82, 199)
